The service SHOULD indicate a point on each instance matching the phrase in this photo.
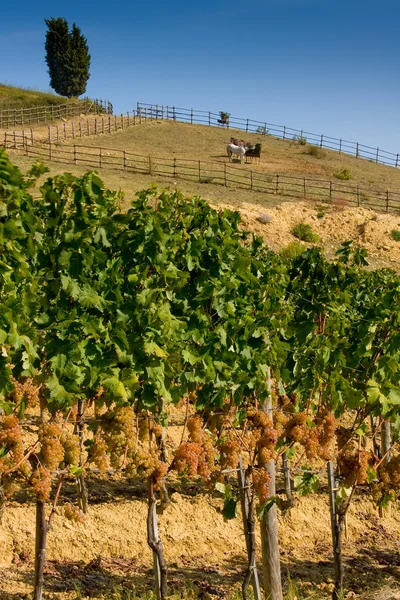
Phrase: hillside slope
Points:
(200, 142)
(15, 97)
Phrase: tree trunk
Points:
(40, 548)
(337, 520)
(160, 567)
(269, 529)
(248, 516)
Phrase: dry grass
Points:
(200, 142)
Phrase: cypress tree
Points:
(67, 58)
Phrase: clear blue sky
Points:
(328, 67)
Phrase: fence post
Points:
(5, 139)
(49, 134)
(191, 116)
(322, 139)
(15, 140)
(127, 114)
(277, 183)
(251, 179)
(124, 159)
(199, 170)
(73, 130)
(377, 155)
(95, 126)
(247, 126)
(330, 190)
(284, 132)
(174, 166)
(209, 118)
(150, 167)
(387, 200)
(74, 154)
(358, 195)
(173, 113)
(357, 150)
(50, 151)
(304, 187)
(109, 123)
(100, 157)
(397, 160)
(65, 131)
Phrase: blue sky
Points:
(318, 65)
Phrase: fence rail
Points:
(189, 115)
(13, 117)
(220, 173)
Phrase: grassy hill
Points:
(15, 97)
(200, 142)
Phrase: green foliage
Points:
(300, 139)
(306, 483)
(395, 235)
(224, 117)
(262, 130)
(344, 174)
(304, 232)
(67, 58)
(293, 250)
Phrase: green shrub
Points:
(300, 139)
(292, 250)
(206, 179)
(315, 151)
(395, 235)
(343, 174)
(262, 130)
(304, 232)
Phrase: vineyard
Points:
(167, 348)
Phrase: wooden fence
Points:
(60, 132)
(189, 115)
(14, 117)
(220, 173)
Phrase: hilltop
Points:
(16, 97)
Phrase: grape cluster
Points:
(196, 457)
(119, 434)
(316, 436)
(261, 481)
(51, 446)
(72, 513)
(26, 388)
(262, 435)
(353, 465)
(11, 442)
(71, 447)
(98, 454)
(41, 483)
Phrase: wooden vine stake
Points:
(337, 518)
(269, 528)
(386, 440)
(160, 567)
(248, 516)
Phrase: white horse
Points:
(238, 150)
